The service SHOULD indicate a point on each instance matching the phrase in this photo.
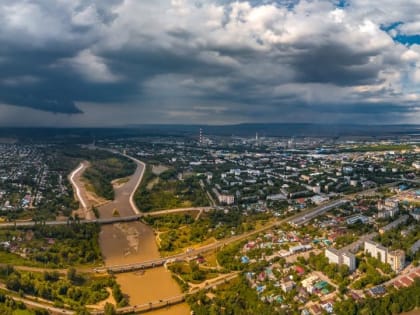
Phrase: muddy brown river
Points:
(124, 243)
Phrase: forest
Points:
(53, 246)
(72, 289)
(102, 171)
(168, 192)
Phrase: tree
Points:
(395, 308)
(13, 283)
(83, 311)
(342, 288)
(109, 309)
(71, 274)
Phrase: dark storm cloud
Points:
(28, 80)
(335, 64)
(260, 59)
(31, 73)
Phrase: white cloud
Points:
(91, 67)
(266, 55)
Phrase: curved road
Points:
(141, 165)
(77, 173)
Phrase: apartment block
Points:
(396, 259)
(341, 258)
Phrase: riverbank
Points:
(125, 243)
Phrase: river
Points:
(124, 243)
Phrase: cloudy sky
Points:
(116, 62)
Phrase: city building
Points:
(401, 220)
(357, 218)
(299, 248)
(387, 208)
(415, 247)
(376, 250)
(416, 214)
(341, 258)
(333, 255)
(224, 198)
(349, 260)
(396, 259)
(288, 286)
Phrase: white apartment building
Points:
(341, 258)
(349, 260)
(396, 259)
(223, 198)
(376, 251)
(333, 255)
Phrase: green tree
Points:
(109, 309)
(72, 274)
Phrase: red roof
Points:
(355, 296)
(315, 309)
(299, 269)
(406, 281)
(412, 276)
(398, 284)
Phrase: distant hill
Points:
(86, 135)
(286, 130)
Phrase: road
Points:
(413, 181)
(37, 304)
(200, 286)
(74, 177)
(301, 220)
(109, 220)
(137, 184)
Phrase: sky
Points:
(121, 62)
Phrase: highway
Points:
(413, 181)
(326, 207)
(301, 220)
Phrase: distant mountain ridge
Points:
(286, 129)
(243, 130)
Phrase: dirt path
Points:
(101, 304)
